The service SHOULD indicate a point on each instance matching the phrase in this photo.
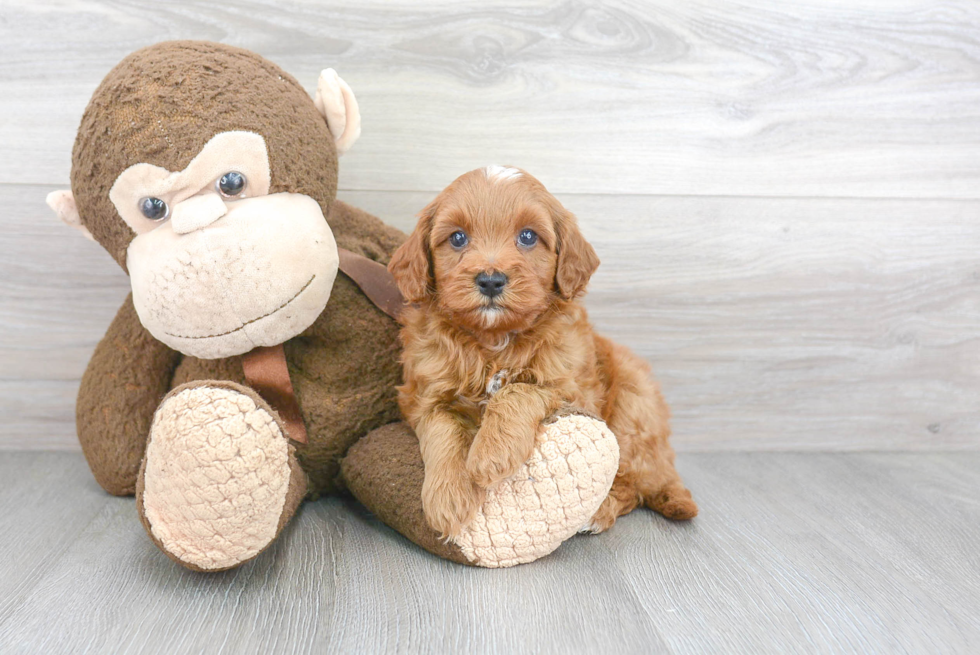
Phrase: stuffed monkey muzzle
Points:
(257, 276)
(218, 265)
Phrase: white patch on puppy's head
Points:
(501, 173)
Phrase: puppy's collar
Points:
(496, 382)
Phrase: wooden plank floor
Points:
(792, 553)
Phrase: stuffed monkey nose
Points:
(197, 212)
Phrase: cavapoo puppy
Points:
(497, 341)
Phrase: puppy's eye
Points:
(458, 239)
(154, 209)
(231, 184)
(527, 238)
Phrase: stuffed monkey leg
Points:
(220, 480)
(128, 375)
(525, 517)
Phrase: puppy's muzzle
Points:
(491, 285)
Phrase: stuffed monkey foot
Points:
(219, 479)
(524, 517)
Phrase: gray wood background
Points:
(786, 200)
(785, 196)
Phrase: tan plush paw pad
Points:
(549, 499)
(216, 477)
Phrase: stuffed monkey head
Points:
(206, 172)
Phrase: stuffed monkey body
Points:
(250, 359)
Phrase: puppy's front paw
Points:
(450, 500)
(494, 457)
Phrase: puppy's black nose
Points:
(491, 284)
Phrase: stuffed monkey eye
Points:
(154, 209)
(527, 238)
(458, 239)
(231, 184)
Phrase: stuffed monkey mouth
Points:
(249, 322)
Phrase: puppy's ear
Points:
(577, 259)
(411, 265)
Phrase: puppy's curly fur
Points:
(481, 372)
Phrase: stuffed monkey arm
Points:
(129, 374)
(552, 496)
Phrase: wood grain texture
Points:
(817, 98)
(773, 324)
(791, 553)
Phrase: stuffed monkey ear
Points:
(411, 265)
(577, 259)
(336, 103)
(63, 204)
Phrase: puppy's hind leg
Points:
(622, 499)
(649, 459)
(638, 416)
(665, 493)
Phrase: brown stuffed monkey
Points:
(258, 345)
